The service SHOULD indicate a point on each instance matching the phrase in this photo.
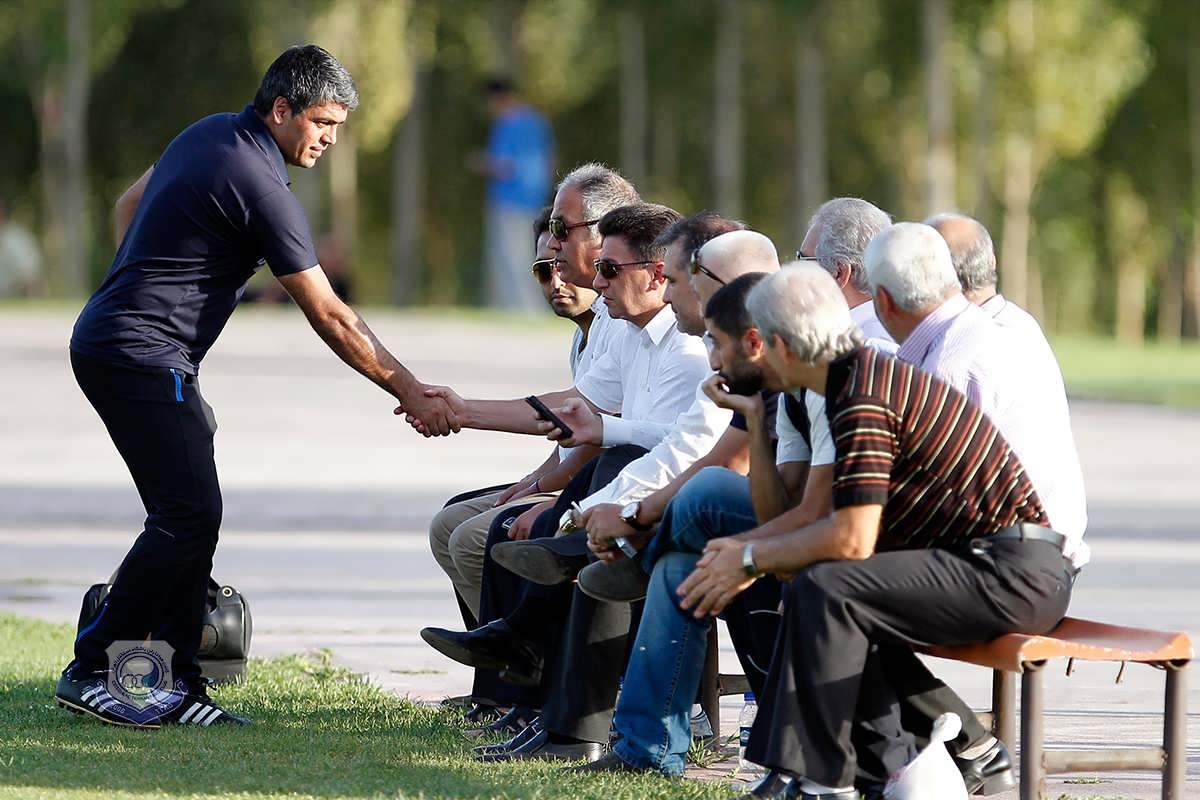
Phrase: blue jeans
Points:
(653, 713)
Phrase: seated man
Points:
(916, 538)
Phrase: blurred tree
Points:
(728, 151)
(939, 93)
(809, 152)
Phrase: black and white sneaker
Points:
(198, 708)
(86, 692)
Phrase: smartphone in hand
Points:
(548, 415)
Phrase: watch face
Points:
(629, 512)
(566, 522)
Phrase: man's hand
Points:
(523, 487)
(586, 425)
(523, 524)
(718, 578)
(420, 411)
(746, 405)
(604, 524)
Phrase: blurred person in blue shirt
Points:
(518, 164)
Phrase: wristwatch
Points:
(566, 523)
(748, 560)
(629, 515)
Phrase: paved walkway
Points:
(328, 497)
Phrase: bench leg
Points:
(1004, 707)
(1174, 734)
(1033, 776)
(710, 689)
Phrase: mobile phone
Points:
(549, 416)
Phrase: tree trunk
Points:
(939, 158)
(1170, 297)
(75, 95)
(503, 22)
(1191, 280)
(1018, 169)
(343, 200)
(665, 139)
(988, 51)
(408, 182)
(633, 94)
(727, 110)
(811, 165)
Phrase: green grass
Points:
(1104, 369)
(319, 732)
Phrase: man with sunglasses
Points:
(458, 532)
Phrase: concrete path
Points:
(328, 498)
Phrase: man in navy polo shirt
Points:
(193, 230)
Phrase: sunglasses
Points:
(695, 267)
(544, 268)
(560, 230)
(609, 268)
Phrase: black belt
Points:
(1026, 531)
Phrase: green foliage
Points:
(319, 732)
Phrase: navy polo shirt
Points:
(217, 206)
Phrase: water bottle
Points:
(745, 723)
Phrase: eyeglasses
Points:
(544, 268)
(695, 267)
(801, 257)
(560, 230)
(609, 268)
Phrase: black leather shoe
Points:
(480, 714)
(539, 748)
(990, 773)
(609, 762)
(622, 581)
(531, 730)
(516, 720)
(544, 561)
(772, 786)
(494, 646)
(845, 794)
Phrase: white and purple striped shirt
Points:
(1021, 391)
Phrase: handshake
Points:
(440, 411)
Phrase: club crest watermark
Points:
(139, 681)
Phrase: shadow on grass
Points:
(319, 732)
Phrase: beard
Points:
(743, 383)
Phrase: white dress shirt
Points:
(996, 369)
(863, 315)
(694, 434)
(649, 375)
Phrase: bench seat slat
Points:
(1081, 639)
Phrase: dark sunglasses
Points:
(544, 268)
(695, 267)
(559, 228)
(609, 268)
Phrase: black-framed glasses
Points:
(695, 268)
(801, 257)
(560, 230)
(544, 268)
(609, 268)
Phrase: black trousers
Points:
(844, 649)
(163, 429)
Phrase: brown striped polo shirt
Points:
(915, 445)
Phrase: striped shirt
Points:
(908, 441)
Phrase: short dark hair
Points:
(727, 307)
(697, 229)
(541, 223)
(306, 76)
(497, 85)
(640, 225)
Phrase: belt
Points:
(1025, 531)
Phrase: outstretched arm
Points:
(348, 335)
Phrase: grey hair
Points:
(847, 225)
(912, 261)
(975, 258)
(803, 306)
(602, 188)
(306, 76)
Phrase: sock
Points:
(812, 787)
(978, 749)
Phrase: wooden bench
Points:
(1007, 656)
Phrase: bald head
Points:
(731, 255)
(971, 251)
(912, 262)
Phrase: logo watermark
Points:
(139, 680)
